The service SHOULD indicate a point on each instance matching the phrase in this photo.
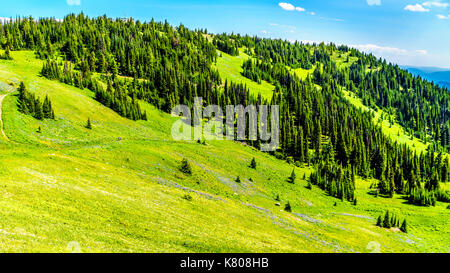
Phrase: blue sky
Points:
(407, 32)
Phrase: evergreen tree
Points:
(253, 164)
(404, 227)
(292, 177)
(88, 124)
(38, 114)
(387, 220)
(379, 222)
(287, 207)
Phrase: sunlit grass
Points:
(69, 184)
(230, 68)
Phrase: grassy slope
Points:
(394, 130)
(230, 68)
(69, 184)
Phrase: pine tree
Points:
(387, 220)
(7, 54)
(47, 108)
(22, 101)
(341, 149)
(253, 164)
(404, 227)
(88, 124)
(292, 178)
(379, 222)
(39, 114)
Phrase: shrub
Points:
(287, 207)
(309, 185)
(290, 160)
(422, 197)
(443, 196)
(187, 197)
(277, 198)
(185, 167)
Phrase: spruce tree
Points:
(7, 54)
(39, 114)
(88, 124)
(404, 227)
(379, 222)
(387, 220)
(253, 163)
(292, 178)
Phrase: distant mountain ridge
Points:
(440, 76)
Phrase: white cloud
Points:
(421, 52)
(374, 2)
(312, 13)
(443, 17)
(416, 8)
(290, 7)
(415, 57)
(435, 4)
(73, 2)
(379, 49)
(389, 51)
(286, 6)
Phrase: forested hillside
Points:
(141, 70)
(168, 66)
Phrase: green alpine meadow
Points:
(89, 162)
